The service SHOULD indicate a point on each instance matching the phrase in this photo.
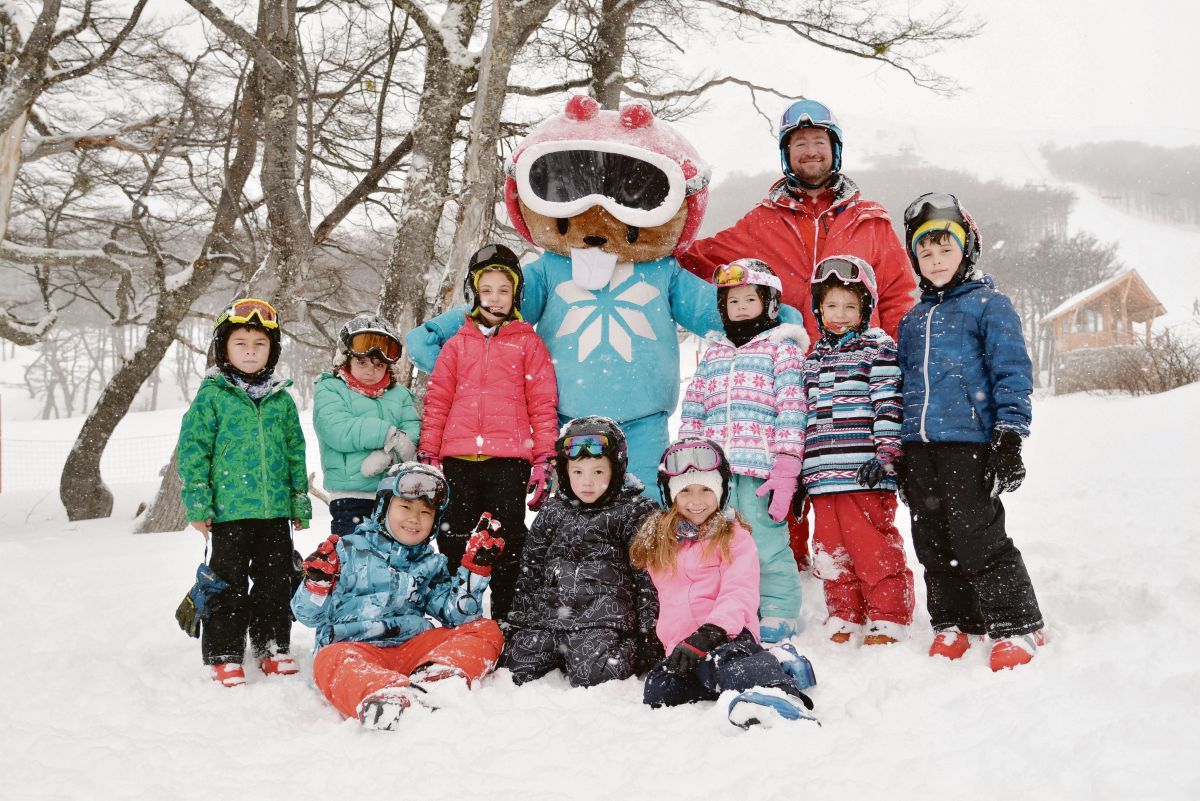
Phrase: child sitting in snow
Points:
(705, 567)
(490, 412)
(367, 595)
(852, 440)
(579, 605)
(967, 382)
(241, 463)
(746, 394)
(364, 419)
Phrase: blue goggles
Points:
(806, 112)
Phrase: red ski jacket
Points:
(792, 235)
(492, 396)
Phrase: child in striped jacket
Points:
(746, 395)
(852, 441)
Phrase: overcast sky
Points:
(1089, 68)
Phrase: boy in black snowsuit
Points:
(579, 605)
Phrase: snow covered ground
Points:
(106, 698)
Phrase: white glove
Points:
(375, 463)
(399, 443)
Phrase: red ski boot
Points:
(950, 643)
(229, 674)
(1010, 652)
(278, 665)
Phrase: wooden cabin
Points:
(1105, 314)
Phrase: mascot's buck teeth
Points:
(592, 268)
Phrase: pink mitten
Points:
(785, 475)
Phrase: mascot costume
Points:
(610, 197)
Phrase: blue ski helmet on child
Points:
(809, 114)
(411, 480)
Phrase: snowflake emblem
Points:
(618, 314)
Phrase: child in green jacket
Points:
(241, 460)
(364, 419)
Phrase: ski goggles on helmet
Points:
(244, 311)
(374, 343)
(638, 187)
(684, 456)
(807, 113)
(417, 481)
(579, 445)
(933, 204)
(735, 274)
(846, 271)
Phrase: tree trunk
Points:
(166, 513)
(512, 24)
(409, 270)
(607, 62)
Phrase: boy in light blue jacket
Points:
(370, 595)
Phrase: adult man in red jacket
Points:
(813, 212)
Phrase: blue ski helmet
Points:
(809, 114)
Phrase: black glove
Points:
(649, 653)
(901, 469)
(798, 499)
(690, 652)
(1004, 471)
(871, 473)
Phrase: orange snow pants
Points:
(347, 672)
(859, 557)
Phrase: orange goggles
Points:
(373, 343)
(731, 275)
(246, 309)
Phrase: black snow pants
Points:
(975, 578)
(587, 656)
(495, 485)
(259, 553)
(739, 664)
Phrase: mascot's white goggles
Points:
(638, 187)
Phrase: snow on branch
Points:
(152, 131)
(60, 257)
(23, 333)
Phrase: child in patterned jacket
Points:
(746, 395)
(852, 440)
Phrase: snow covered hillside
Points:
(106, 699)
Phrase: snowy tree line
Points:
(170, 163)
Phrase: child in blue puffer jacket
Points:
(967, 381)
(368, 596)
(364, 418)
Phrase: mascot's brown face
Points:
(596, 228)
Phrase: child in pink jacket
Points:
(704, 565)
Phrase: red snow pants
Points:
(798, 535)
(860, 557)
(347, 672)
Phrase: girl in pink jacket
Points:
(491, 417)
(704, 565)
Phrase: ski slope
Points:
(107, 699)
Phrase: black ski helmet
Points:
(412, 480)
(749, 272)
(848, 272)
(941, 211)
(600, 433)
(246, 313)
(682, 446)
(495, 257)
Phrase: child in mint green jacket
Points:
(364, 419)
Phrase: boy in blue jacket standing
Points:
(368, 594)
(967, 384)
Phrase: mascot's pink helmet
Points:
(640, 169)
